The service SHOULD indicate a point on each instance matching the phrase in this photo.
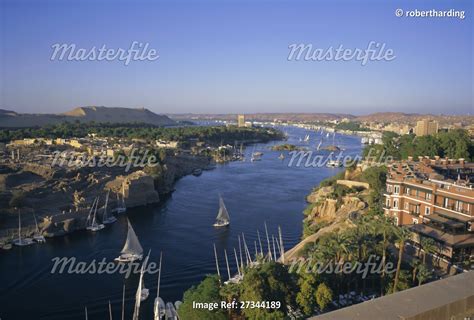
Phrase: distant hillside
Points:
(265, 116)
(381, 117)
(11, 119)
(412, 118)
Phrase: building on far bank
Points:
(435, 198)
(426, 127)
(400, 129)
(241, 120)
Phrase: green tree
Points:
(206, 292)
(456, 144)
(323, 296)
(268, 282)
(305, 297)
(427, 146)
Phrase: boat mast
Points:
(260, 242)
(227, 263)
(268, 241)
(95, 212)
(104, 216)
(159, 277)
(274, 249)
(86, 312)
(19, 226)
(217, 263)
(36, 222)
(282, 249)
(256, 249)
(110, 311)
(123, 303)
(240, 252)
(237, 262)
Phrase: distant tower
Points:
(241, 120)
(426, 127)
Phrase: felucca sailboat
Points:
(132, 250)
(222, 218)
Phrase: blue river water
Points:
(181, 227)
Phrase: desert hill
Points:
(11, 119)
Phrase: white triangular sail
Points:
(223, 215)
(132, 245)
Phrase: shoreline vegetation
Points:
(287, 147)
(62, 195)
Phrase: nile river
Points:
(181, 227)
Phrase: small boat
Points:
(7, 246)
(21, 242)
(38, 237)
(132, 250)
(256, 156)
(281, 156)
(159, 308)
(107, 219)
(334, 164)
(94, 226)
(306, 138)
(222, 219)
(197, 172)
(319, 145)
(171, 313)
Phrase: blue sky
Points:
(231, 56)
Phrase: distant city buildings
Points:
(435, 198)
(426, 127)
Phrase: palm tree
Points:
(386, 229)
(429, 247)
(415, 264)
(423, 274)
(403, 234)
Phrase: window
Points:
(415, 221)
(389, 188)
(428, 196)
(427, 210)
(417, 209)
(458, 205)
(445, 202)
(395, 203)
(396, 221)
(407, 191)
(388, 203)
(397, 190)
(406, 205)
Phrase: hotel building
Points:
(426, 127)
(435, 197)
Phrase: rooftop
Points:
(442, 299)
